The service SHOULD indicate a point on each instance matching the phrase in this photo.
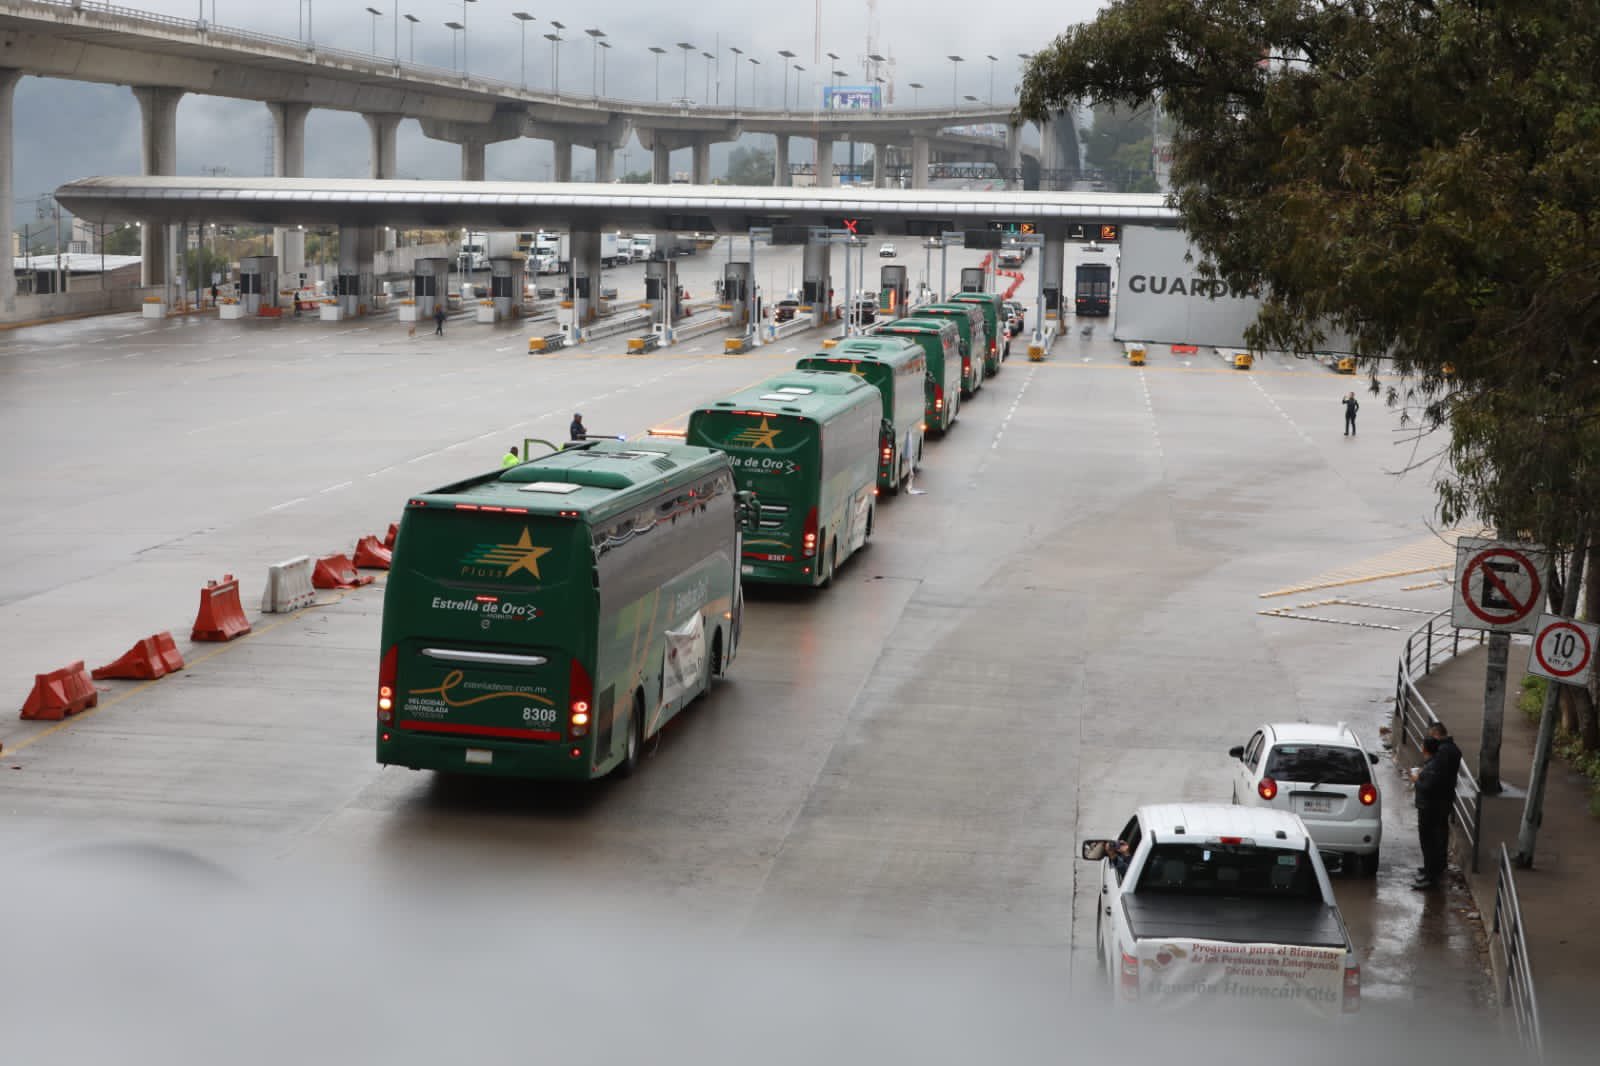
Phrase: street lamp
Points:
(523, 18)
(594, 61)
(413, 20)
(955, 75)
(737, 52)
(455, 28)
(687, 48)
(992, 61)
(555, 40)
(376, 15)
(658, 53)
(916, 93)
(787, 55)
(709, 58)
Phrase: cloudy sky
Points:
(67, 130)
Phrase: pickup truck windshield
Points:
(1229, 870)
(1315, 762)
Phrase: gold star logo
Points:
(762, 436)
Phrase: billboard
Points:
(852, 98)
(1162, 298)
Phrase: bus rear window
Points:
(1229, 870)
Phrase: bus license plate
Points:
(479, 757)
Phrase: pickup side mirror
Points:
(749, 510)
(1237, 751)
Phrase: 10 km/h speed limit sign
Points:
(1563, 650)
(1498, 585)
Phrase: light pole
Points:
(455, 28)
(737, 52)
(376, 15)
(594, 61)
(555, 40)
(523, 18)
(992, 61)
(658, 53)
(955, 78)
(916, 94)
(413, 20)
(709, 58)
(606, 50)
(687, 48)
(787, 55)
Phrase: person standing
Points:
(577, 431)
(1351, 406)
(1436, 790)
(438, 320)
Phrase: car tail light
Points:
(808, 542)
(580, 693)
(1352, 988)
(1369, 794)
(1130, 976)
(387, 671)
(1268, 789)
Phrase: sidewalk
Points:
(1560, 895)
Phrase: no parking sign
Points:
(1563, 650)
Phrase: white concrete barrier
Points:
(288, 586)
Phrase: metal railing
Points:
(1507, 928)
(1431, 644)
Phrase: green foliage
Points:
(750, 166)
(124, 240)
(1422, 176)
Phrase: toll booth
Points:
(258, 282)
(505, 286)
(974, 279)
(894, 291)
(1052, 302)
(738, 287)
(430, 286)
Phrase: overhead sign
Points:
(1498, 585)
(1563, 650)
(1162, 298)
(852, 98)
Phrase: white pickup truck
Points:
(1220, 905)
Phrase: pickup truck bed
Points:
(1308, 923)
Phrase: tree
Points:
(750, 166)
(124, 240)
(1421, 175)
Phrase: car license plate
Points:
(1316, 806)
(479, 757)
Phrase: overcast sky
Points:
(67, 130)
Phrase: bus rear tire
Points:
(632, 753)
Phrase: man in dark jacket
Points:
(1436, 789)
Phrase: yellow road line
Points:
(143, 685)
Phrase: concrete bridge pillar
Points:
(826, 179)
(605, 162)
(473, 158)
(158, 111)
(880, 166)
(8, 277)
(780, 168)
(700, 167)
(382, 127)
(289, 161)
(1013, 162)
(919, 162)
(562, 147)
(661, 162)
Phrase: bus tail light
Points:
(808, 542)
(580, 693)
(1268, 789)
(388, 669)
(1130, 976)
(1369, 794)
(1352, 988)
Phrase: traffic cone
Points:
(371, 554)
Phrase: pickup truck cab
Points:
(1212, 905)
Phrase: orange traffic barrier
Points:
(220, 617)
(147, 660)
(371, 554)
(337, 572)
(1185, 349)
(60, 693)
(390, 537)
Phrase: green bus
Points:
(806, 444)
(898, 369)
(940, 342)
(994, 317)
(974, 341)
(545, 620)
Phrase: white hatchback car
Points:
(1323, 774)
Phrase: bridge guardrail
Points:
(1518, 990)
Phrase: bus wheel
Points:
(630, 760)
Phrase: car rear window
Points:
(1229, 870)
(1320, 763)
